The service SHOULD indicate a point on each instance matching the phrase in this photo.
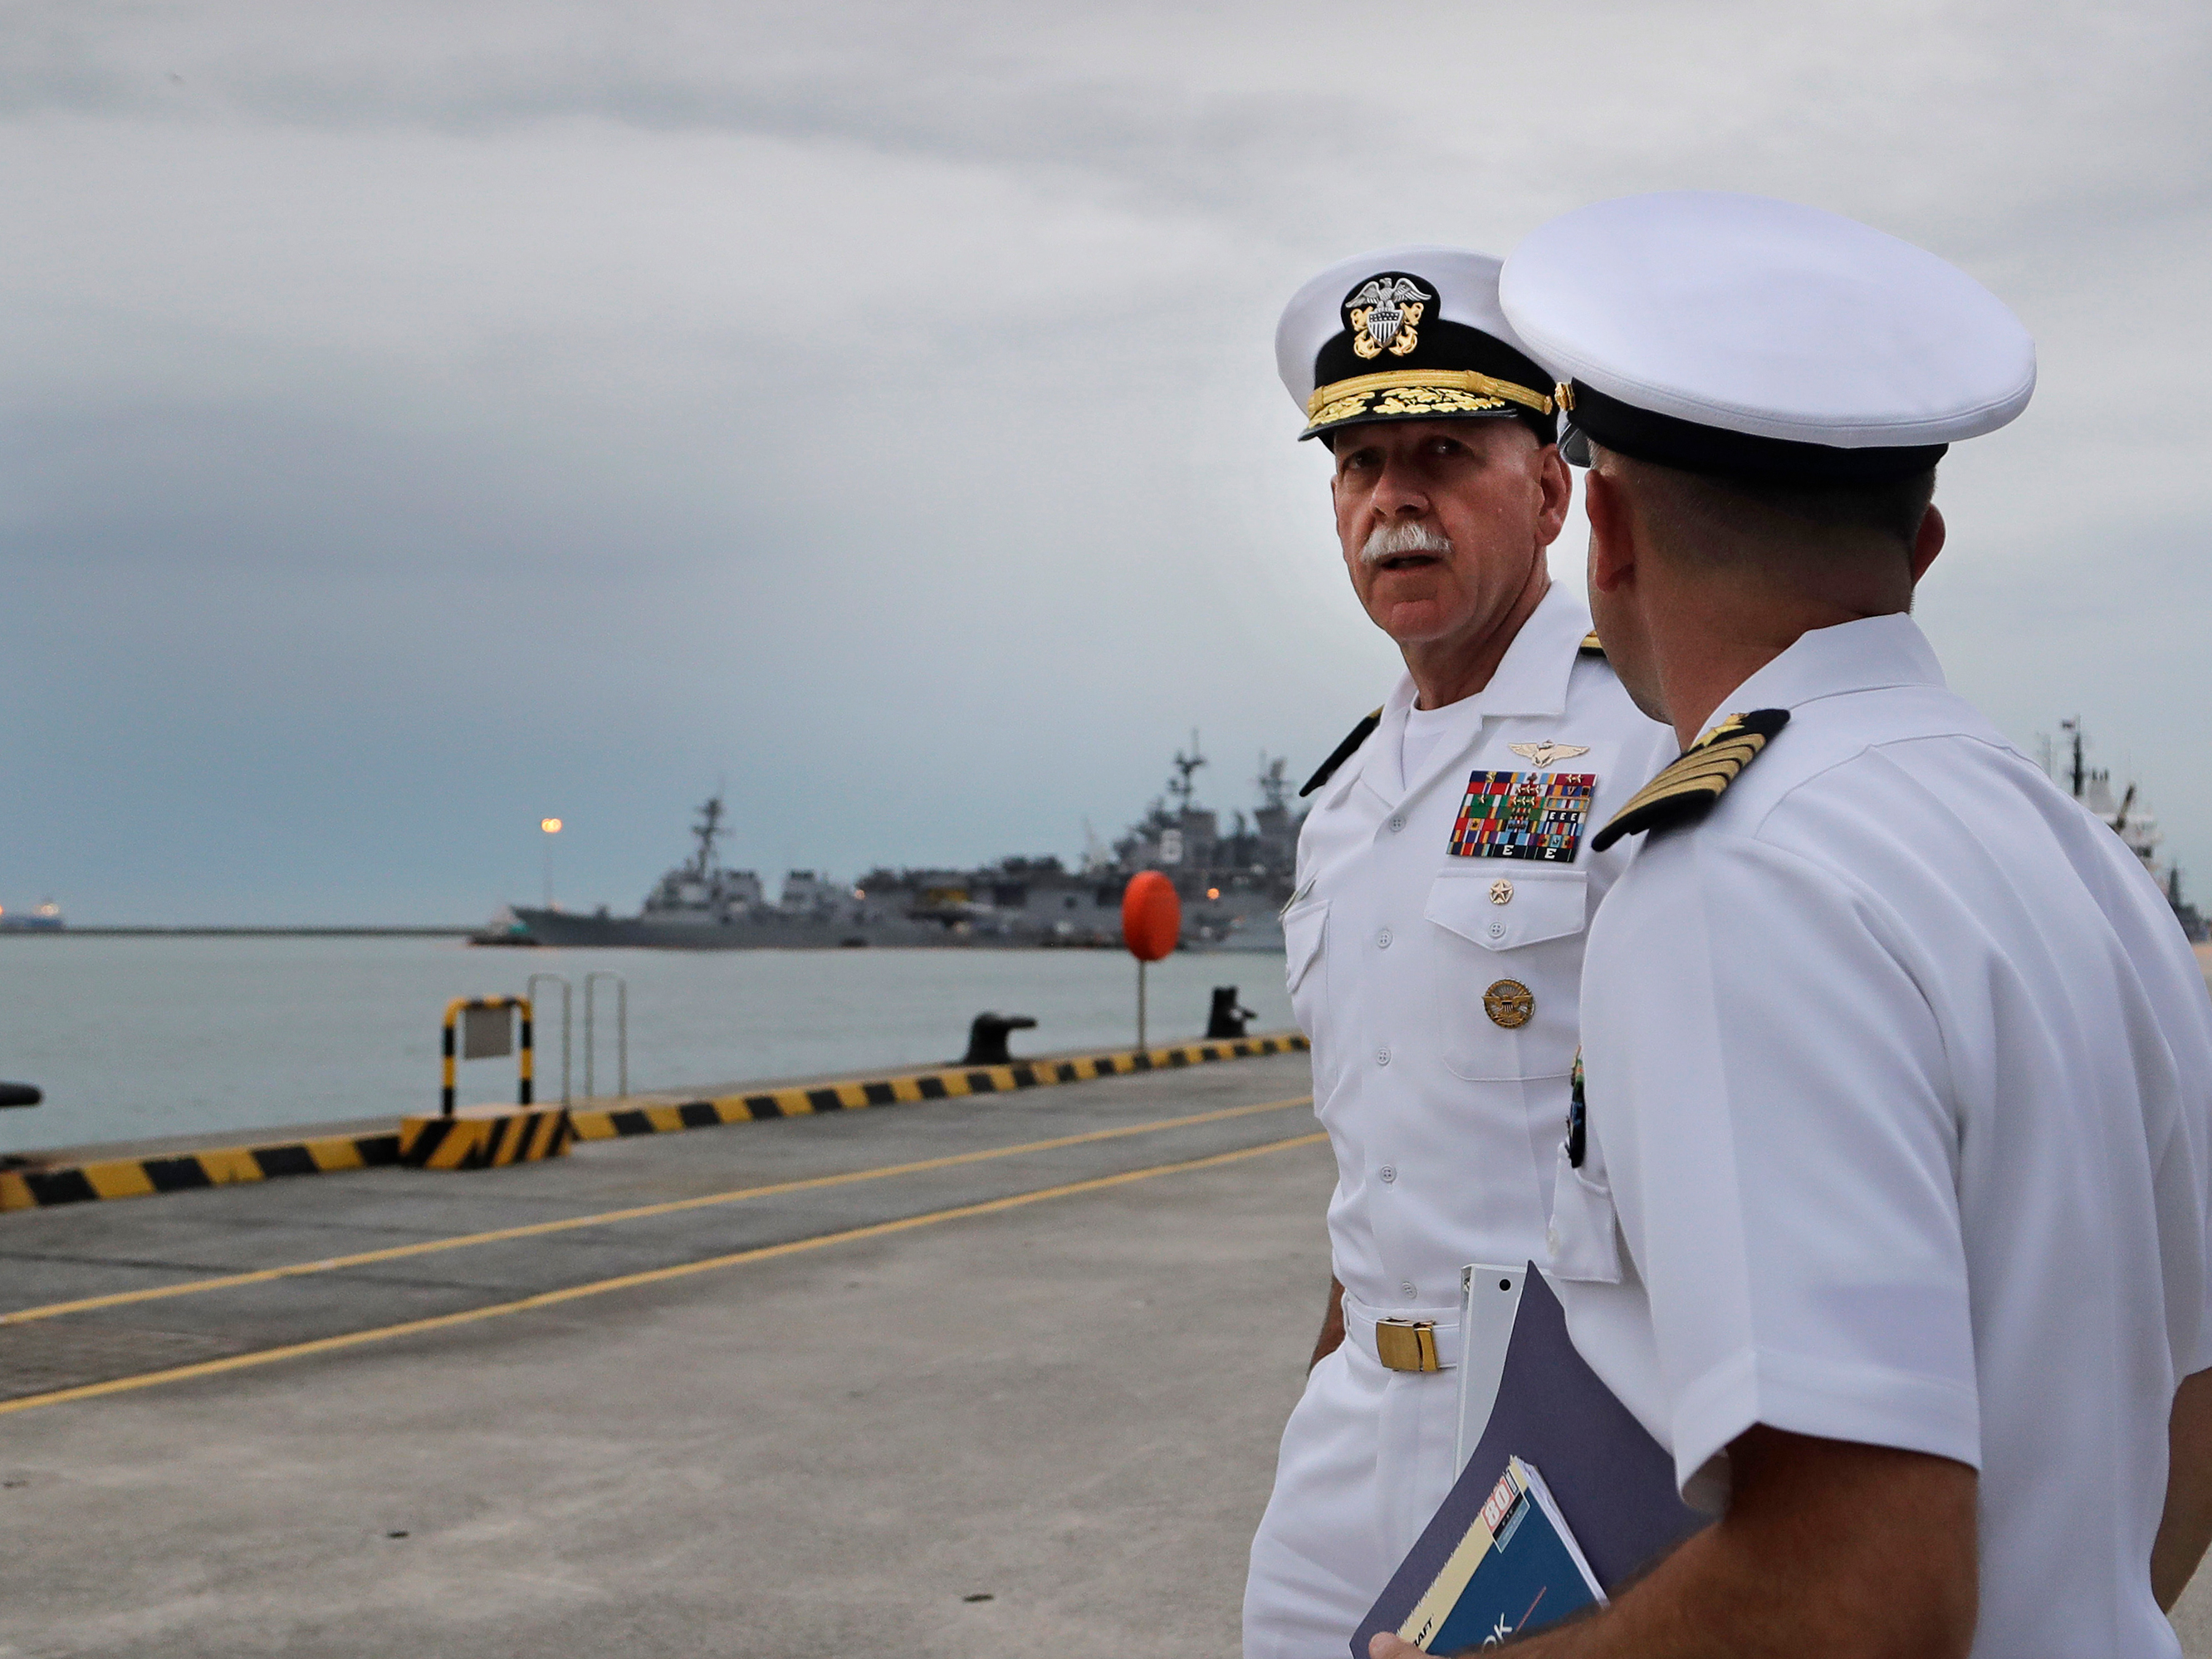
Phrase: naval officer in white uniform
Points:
(1887, 1211)
(1445, 879)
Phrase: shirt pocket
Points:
(1507, 974)
(1583, 1241)
(1305, 937)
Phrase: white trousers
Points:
(1366, 1459)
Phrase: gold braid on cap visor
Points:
(1417, 392)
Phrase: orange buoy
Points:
(1152, 916)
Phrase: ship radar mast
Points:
(1096, 855)
(2130, 818)
(1180, 786)
(708, 827)
(1274, 787)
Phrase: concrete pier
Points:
(979, 1377)
(1067, 1404)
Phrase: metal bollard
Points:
(1225, 1018)
(986, 1038)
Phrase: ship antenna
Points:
(1180, 786)
(708, 827)
(2073, 727)
(1274, 787)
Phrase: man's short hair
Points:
(1715, 512)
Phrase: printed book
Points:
(1517, 1569)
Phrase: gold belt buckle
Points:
(1406, 1345)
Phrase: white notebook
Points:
(1489, 1296)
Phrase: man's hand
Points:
(1332, 1326)
(1829, 1550)
(2185, 1527)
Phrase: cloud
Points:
(419, 419)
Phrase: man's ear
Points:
(1613, 535)
(1556, 483)
(1927, 542)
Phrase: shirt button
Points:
(1406, 1289)
(1398, 822)
(1388, 1172)
(1382, 1056)
(1497, 930)
(1383, 938)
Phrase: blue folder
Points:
(1613, 1484)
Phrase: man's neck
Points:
(1446, 670)
(1725, 646)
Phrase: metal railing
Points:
(622, 1032)
(530, 985)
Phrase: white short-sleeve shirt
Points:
(1899, 1074)
(1443, 1118)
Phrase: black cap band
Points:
(1644, 435)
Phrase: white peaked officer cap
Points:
(1738, 335)
(1408, 334)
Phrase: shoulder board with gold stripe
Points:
(1345, 751)
(1591, 646)
(1690, 786)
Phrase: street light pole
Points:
(552, 827)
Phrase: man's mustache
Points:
(1392, 541)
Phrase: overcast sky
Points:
(416, 420)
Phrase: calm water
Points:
(131, 1037)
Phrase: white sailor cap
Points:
(1734, 334)
(1408, 334)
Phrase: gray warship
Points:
(2130, 815)
(1233, 881)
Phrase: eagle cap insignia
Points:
(1385, 314)
(1544, 753)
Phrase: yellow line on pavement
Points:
(537, 1229)
(651, 1276)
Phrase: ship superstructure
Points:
(701, 887)
(2130, 815)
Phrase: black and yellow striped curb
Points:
(943, 1082)
(184, 1172)
(484, 1138)
(179, 1172)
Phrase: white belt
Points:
(1403, 1342)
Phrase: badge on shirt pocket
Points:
(1537, 816)
(1506, 957)
(1583, 1240)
